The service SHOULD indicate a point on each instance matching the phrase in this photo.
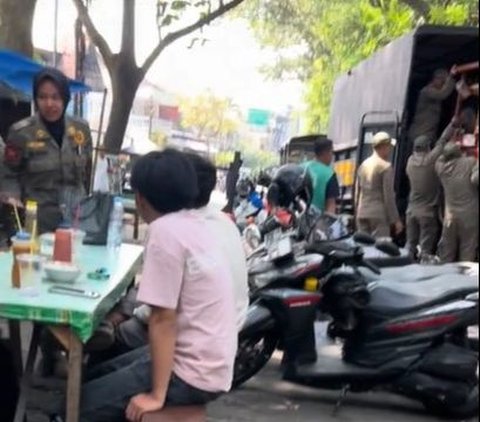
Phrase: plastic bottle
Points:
(114, 238)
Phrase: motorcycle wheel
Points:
(467, 410)
(253, 353)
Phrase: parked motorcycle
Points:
(294, 255)
(402, 338)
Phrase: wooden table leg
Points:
(16, 344)
(27, 374)
(74, 384)
(136, 223)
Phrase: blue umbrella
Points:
(17, 72)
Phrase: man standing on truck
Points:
(376, 209)
(460, 226)
(429, 105)
(422, 213)
(325, 183)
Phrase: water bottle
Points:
(114, 239)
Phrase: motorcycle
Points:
(400, 337)
(290, 258)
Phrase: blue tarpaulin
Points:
(17, 72)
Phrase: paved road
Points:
(267, 398)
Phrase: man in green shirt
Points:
(325, 183)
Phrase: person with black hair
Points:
(185, 280)
(132, 332)
(428, 110)
(48, 155)
(325, 183)
(233, 175)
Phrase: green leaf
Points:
(179, 4)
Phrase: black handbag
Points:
(94, 217)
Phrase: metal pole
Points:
(55, 30)
(96, 149)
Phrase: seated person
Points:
(188, 284)
(249, 202)
(132, 333)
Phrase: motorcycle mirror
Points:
(388, 248)
(364, 238)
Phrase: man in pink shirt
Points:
(186, 281)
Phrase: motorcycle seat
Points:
(265, 272)
(383, 260)
(395, 297)
(417, 272)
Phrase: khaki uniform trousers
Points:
(376, 227)
(459, 239)
(422, 231)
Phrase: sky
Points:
(228, 64)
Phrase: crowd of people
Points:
(443, 182)
(176, 344)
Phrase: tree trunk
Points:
(125, 82)
(16, 21)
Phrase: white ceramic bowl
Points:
(61, 272)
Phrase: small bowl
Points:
(61, 272)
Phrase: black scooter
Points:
(409, 341)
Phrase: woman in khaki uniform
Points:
(48, 155)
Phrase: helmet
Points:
(244, 187)
(289, 182)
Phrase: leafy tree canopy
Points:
(317, 40)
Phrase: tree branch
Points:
(421, 7)
(94, 35)
(173, 36)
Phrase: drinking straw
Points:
(17, 217)
(34, 236)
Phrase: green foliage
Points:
(257, 159)
(224, 158)
(331, 37)
(209, 116)
(160, 138)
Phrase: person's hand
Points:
(398, 227)
(141, 404)
(454, 70)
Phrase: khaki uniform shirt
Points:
(475, 175)
(375, 191)
(424, 197)
(461, 195)
(37, 168)
(429, 109)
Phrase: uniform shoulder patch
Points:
(12, 155)
(22, 124)
(78, 122)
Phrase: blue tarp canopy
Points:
(17, 72)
